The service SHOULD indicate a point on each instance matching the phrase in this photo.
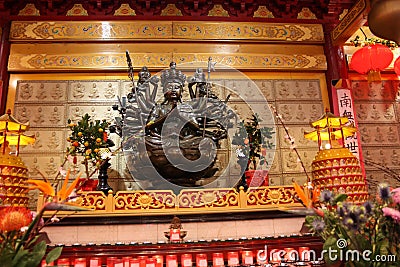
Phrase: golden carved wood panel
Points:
(198, 30)
(81, 57)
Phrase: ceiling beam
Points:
(354, 19)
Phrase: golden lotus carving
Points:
(187, 201)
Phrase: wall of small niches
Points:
(377, 106)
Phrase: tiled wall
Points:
(378, 114)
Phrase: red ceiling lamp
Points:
(396, 66)
(371, 60)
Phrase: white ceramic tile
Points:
(62, 234)
(220, 230)
(254, 228)
(137, 233)
(97, 234)
(285, 226)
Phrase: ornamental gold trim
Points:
(353, 20)
(117, 61)
(258, 61)
(150, 30)
(77, 10)
(218, 11)
(249, 31)
(263, 12)
(88, 30)
(171, 10)
(187, 201)
(29, 10)
(124, 10)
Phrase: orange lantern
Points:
(396, 66)
(371, 60)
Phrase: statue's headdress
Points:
(172, 75)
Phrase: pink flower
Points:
(396, 195)
(395, 214)
(41, 221)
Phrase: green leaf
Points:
(339, 198)
(54, 254)
(41, 246)
(309, 219)
(19, 257)
(36, 258)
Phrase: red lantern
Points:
(396, 66)
(371, 60)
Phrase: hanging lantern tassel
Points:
(374, 76)
(371, 60)
(396, 66)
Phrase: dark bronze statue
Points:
(175, 140)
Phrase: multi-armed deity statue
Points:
(172, 140)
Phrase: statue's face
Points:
(144, 75)
(173, 91)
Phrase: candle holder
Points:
(175, 233)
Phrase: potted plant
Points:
(90, 139)
(253, 141)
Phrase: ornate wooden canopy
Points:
(325, 10)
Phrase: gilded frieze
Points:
(249, 31)
(121, 30)
(90, 61)
(208, 198)
(270, 196)
(89, 30)
(258, 61)
(117, 61)
(188, 201)
(95, 201)
(164, 200)
(340, 31)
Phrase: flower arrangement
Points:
(253, 141)
(367, 232)
(19, 236)
(360, 235)
(90, 140)
(21, 240)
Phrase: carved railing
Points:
(187, 201)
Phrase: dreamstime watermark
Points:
(338, 253)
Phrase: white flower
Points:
(239, 153)
(62, 172)
(310, 185)
(24, 229)
(54, 219)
